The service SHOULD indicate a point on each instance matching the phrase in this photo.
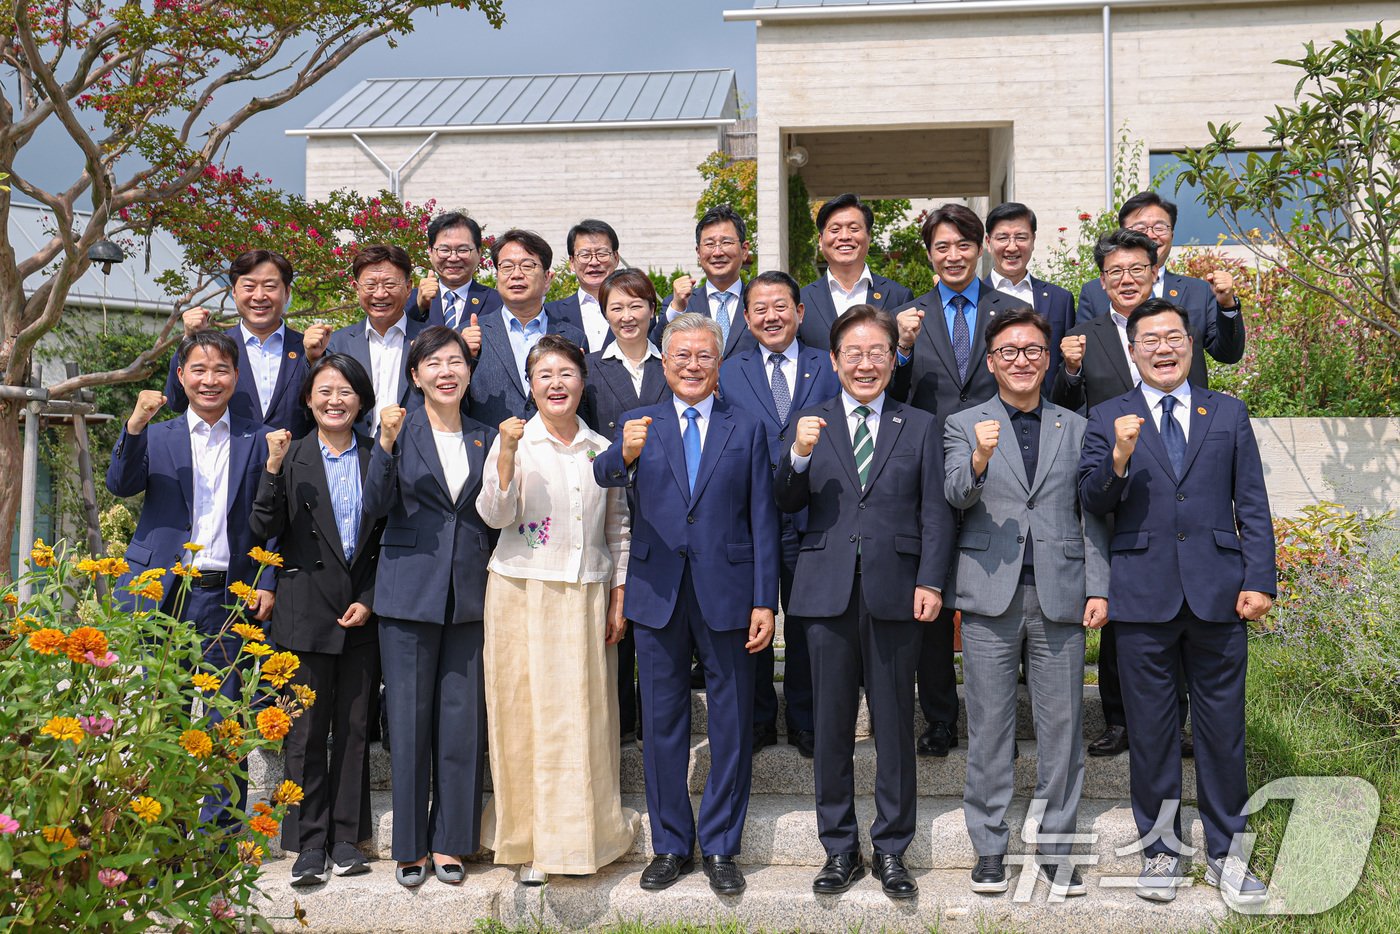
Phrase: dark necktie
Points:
(962, 337)
(863, 444)
(690, 438)
(449, 309)
(1173, 438)
(782, 396)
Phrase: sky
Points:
(539, 37)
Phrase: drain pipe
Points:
(1108, 107)
(394, 174)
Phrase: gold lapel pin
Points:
(1173, 293)
(477, 442)
(1057, 424)
(1200, 410)
(877, 294)
(477, 301)
(291, 355)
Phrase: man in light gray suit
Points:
(1031, 573)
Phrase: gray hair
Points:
(693, 321)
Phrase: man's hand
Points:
(634, 438)
(148, 403)
(390, 424)
(1072, 349)
(472, 335)
(277, 443)
(681, 290)
(910, 321)
(357, 614)
(314, 341)
(1095, 613)
(617, 623)
(266, 598)
(1253, 605)
(1126, 429)
(760, 629)
(988, 434)
(427, 290)
(928, 603)
(195, 319)
(1223, 285)
(809, 432)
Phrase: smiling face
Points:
(334, 403)
(1127, 278)
(862, 377)
(721, 253)
(845, 240)
(628, 316)
(382, 289)
(1157, 224)
(443, 376)
(208, 378)
(456, 268)
(521, 278)
(261, 296)
(953, 256)
(556, 386)
(1012, 244)
(691, 365)
(1020, 377)
(1162, 367)
(773, 316)
(593, 260)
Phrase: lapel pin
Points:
(477, 442)
(877, 295)
(806, 375)
(291, 355)
(1172, 293)
(1200, 410)
(897, 420)
(477, 301)
(1057, 424)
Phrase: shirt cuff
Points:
(799, 461)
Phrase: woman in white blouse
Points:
(553, 619)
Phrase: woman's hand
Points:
(617, 624)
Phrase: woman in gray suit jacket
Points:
(424, 476)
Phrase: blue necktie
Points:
(722, 316)
(962, 337)
(691, 439)
(449, 309)
(1172, 436)
(782, 396)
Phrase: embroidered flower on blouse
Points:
(592, 454)
(536, 533)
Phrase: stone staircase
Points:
(781, 855)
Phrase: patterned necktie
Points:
(863, 444)
(691, 440)
(449, 309)
(1172, 436)
(962, 338)
(722, 316)
(782, 397)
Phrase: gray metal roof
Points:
(638, 98)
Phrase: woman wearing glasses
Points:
(553, 619)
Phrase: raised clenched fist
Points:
(472, 335)
(195, 319)
(390, 424)
(427, 290)
(988, 434)
(1072, 349)
(681, 290)
(512, 430)
(315, 339)
(148, 403)
(911, 322)
(277, 443)
(809, 431)
(634, 438)
(1126, 429)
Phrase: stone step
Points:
(778, 898)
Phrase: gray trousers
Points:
(1054, 653)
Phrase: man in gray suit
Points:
(1031, 573)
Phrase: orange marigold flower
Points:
(113, 567)
(273, 723)
(184, 570)
(89, 566)
(61, 728)
(265, 825)
(260, 649)
(244, 592)
(262, 807)
(146, 808)
(229, 731)
(145, 577)
(289, 792)
(11, 599)
(155, 591)
(48, 641)
(23, 625)
(60, 835)
(192, 548)
(278, 669)
(249, 632)
(250, 853)
(203, 681)
(264, 557)
(304, 695)
(197, 743)
(42, 555)
(85, 639)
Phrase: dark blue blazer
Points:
(1056, 306)
(727, 531)
(432, 545)
(352, 340)
(567, 309)
(1201, 538)
(496, 391)
(480, 300)
(739, 337)
(608, 392)
(744, 383)
(285, 410)
(900, 521)
(1219, 334)
(158, 463)
(819, 314)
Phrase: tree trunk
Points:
(12, 470)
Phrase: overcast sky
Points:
(539, 37)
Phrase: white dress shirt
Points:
(595, 323)
(386, 365)
(705, 407)
(452, 454)
(635, 370)
(872, 421)
(1024, 290)
(1122, 324)
(265, 358)
(209, 446)
(1182, 412)
(857, 295)
(788, 366)
(589, 526)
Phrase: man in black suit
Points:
(942, 345)
(1010, 242)
(869, 582)
(721, 249)
(450, 294)
(843, 225)
(593, 257)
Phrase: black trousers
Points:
(938, 677)
(335, 780)
(1111, 684)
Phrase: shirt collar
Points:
(1118, 319)
(972, 292)
(1002, 283)
(197, 424)
(1154, 396)
(705, 406)
(539, 323)
(865, 278)
(735, 289)
(401, 325)
(788, 354)
(614, 352)
(537, 433)
(249, 337)
(1013, 412)
(877, 406)
(585, 299)
(331, 456)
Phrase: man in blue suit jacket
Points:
(843, 225)
(703, 579)
(1192, 561)
(454, 249)
(1011, 241)
(721, 249)
(593, 256)
(271, 356)
(773, 382)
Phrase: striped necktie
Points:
(449, 309)
(863, 443)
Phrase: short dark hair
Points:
(774, 277)
(1124, 239)
(348, 367)
(432, 339)
(591, 226)
(633, 282)
(211, 339)
(1009, 211)
(1009, 319)
(968, 224)
(863, 314)
(246, 262)
(840, 203)
(454, 219)
(1145, 199)
(530, 242)
(1151, 309)
(375, 253)
(722, 214)
(558, 344)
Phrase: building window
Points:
(1194, 223)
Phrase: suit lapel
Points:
(668, 429)
(183, 459)
(809, 363)
(837, 434)
(1202, 414)
(1137, 405)
(891, 424)
(1005, 452)
(420, 435)
(721, 427)
(247, 383)
(879, 292)
(988, 304)
(619, 381)
(240, 447)
(410, 334)
(654, 386)
(364, 447)
(494, 336)
(289, 368)
(822, 310)
(1106, 333)
(475, 441)
(935, 331)
(322, 512)
(756, 373)
(1051, 434)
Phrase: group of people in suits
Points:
(504, 507)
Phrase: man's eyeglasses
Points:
(728, 243)
(1009, 354)
(1160, 227)
(527, 266)
(589, 256)
(1151, 342)
(444, 252)
(1137, 271)
(854, 357)
(1004, 239)
(683, 358)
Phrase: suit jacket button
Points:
(680, 552)
(612, 424)
(320, 564)
(1020, 539)
(1181, 536)
(690, 519)
(1180, 497)
(1030, 504)
(782, 436)
(962, 397)
(853, 538)
(862, 505)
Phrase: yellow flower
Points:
(61, 728)
(61, 835)
(11, 599)
(42, 555)
(113, 567)
(278, 669)
(273, 723)
(262, 824)
(289, 792)
(184, 570)
(192, 548)
(304, 695)
(245, 593)
(23, 625)
(48, 641)
(230, 732)
(90, 567)
(203, 681)
(146, 576)
(264, 557)
(197, 743)
(155, 591)
(146, 808)
(259, 649)
(85, 639)
(249, 632)
(250, 853)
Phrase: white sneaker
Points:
(1160, 877)
(1234, 880)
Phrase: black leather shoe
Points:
(724, 875)
(894, 878)
(989, 875)
(1188, 746)
(764, 736)
(842, 870)
(937, 740)
(1113, 742)
(805, 741)
(665, 870)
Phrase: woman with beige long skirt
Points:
(553, 619)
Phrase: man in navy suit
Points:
(502, 339)
(843, 225)
(703, 579)
(271, 356)
(199, 474)
(721, 249)
(593, 257)
(874, 558)
(1011, 241)
(942, 346)
(773, 381)
(1192, 562)
(450, 293)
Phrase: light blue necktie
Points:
(691, 439)
(722, 316)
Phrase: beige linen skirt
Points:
(552, 722)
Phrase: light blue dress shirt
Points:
(265, 357)
(972, 293)
(523, 337)
(343, 479)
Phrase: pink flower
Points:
(96, 726)
(220, 908)
(8, 824)
(111, 877)
(106, 661)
